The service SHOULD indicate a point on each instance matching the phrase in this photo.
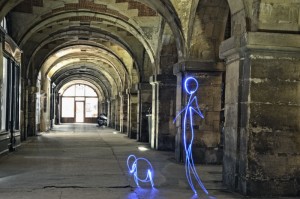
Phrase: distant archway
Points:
(79, 104)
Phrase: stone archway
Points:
(205, 30)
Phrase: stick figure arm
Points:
(179, 114)
(197, 110)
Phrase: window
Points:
(91, 107)
(67, 107)
(12, 104)
(80, 90)
(70, 91)
(90, 92)
(4, 91)
(79, 93)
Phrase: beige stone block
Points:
(209, 138)
(275, 116)
(235, 5)
(266, 165)
(276, 92)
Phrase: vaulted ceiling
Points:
(103, 42)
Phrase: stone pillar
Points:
(123, 107)
(112, 115)
(108, 112)
(57, 108)
(163, 112)
(124, 112)
(31, 127)
(23, 104)
(132, 114)
(118, 109)
(207, 141)
(52, 109)
(102, 106)
(262, 106)
(144, 92)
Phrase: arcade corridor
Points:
(71, 61)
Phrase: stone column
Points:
(144, 92)
(123, 112)
(118, 119)
(52, 106)
(102, 107)
(262, 106)
(132, 113)
(108, 112)
(57, 108)
(23, 104)
(112, 114)
(163, 112)
(31, 127)
(207, 141)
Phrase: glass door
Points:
(79, 103)
(79, 112)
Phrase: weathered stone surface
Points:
(163, 111)
(262, 123)
(124, 112)
(279, 15)
(207, 29)
(4, 142)
(132, 116)
(144, 109)
(112, 120)
(207, 131)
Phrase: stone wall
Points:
(261, 154)
(163, 112)
(207, 145)
(274, 126)
(144, 110)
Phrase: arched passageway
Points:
(79, 104)
(136, 54)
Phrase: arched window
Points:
(79, 104)
(80, 90)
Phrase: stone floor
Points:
(83, 161)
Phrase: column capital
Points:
(263, 43)
(198, 66)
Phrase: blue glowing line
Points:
(189, 110)
(132, 164)
(186, 85)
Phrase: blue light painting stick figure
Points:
(191, 108)
(132, 164)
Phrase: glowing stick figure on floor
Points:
(132, 164)
(191, 108)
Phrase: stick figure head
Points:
(191, 85)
